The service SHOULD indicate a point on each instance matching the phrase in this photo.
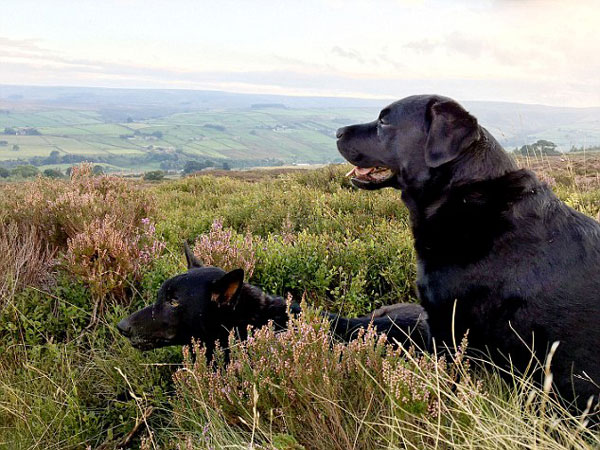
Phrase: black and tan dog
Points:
(206, 303)
(497, 251)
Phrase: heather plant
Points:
(98, 226)
(226, 249)
(61, 209)
(109, 258)
(300, 382)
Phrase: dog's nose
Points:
(124, 327)
(340, 132)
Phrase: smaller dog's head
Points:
(411, 138)
(196, 304)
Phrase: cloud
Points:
(422, 46)
(348, 54)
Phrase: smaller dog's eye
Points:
(383, 121)
(174, 303)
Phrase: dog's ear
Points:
(451, 130)
(226, 289)
(191, 259)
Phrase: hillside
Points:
(136, 130)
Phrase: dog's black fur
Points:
(404, 323)
(497, 251)
(206, 303)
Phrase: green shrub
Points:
(26, 171)
(53, 173)
(155, 175)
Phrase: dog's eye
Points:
(174, 303)
(383, 117)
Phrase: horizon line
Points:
(293, 95)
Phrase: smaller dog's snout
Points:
(340, 132)
(124, 327)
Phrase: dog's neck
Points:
(455, 217)
(484, 160)
(462, 225)
(255, 307)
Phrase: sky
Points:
(527, 51)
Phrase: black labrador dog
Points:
(498, 253)
(206, 303)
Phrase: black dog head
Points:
(411, 139)
(199, 303)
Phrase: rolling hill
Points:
(135, 130)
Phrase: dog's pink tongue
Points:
(363, 171)
(360, 171)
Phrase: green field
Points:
(279, 134)
(138, 130)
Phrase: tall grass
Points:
(24, 259)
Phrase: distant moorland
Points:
(144, 130)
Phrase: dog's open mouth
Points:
(370, 177)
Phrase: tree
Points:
(193, 166)
(54, 157)
(9, 130)
(26, 171)
(539, 148)
(15, 148)
(53, 173)
(98, 170)
(154, 175)
(4, 172)
(226, 166)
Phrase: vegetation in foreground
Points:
(77, 255)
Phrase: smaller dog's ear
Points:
(226, 289)
(452, 129)
(191, 259)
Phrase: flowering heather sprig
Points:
(223, 248)
(107, 257)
